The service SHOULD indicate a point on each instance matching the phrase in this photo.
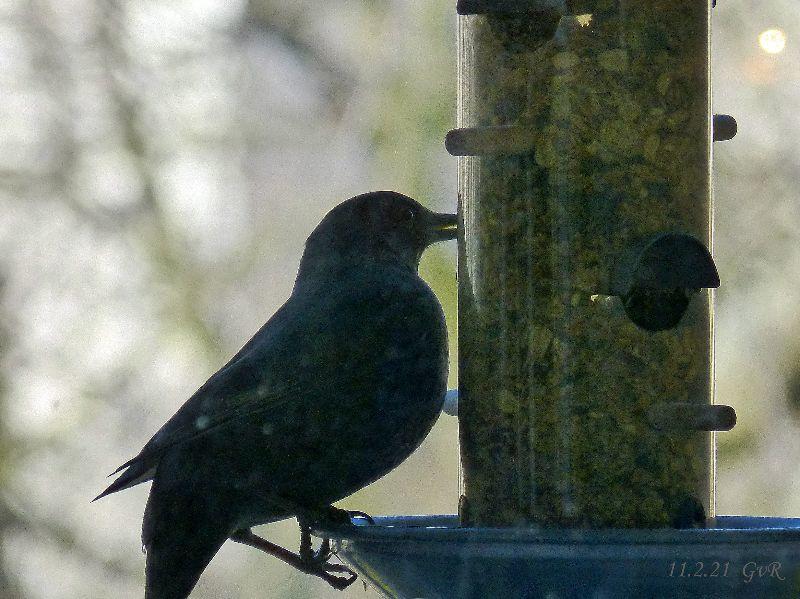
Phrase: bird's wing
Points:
(238, 388)
(305, 346)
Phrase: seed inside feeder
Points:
(607, 148)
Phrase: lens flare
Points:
(772, 41)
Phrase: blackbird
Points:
(339, 387)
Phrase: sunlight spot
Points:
(772, 41)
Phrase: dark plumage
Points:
(335, 390)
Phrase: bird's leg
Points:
(313, 566)
(307, 553)
(309, 561)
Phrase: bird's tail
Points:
(181, 536)
(174, 566)
(135, 472)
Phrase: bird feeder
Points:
(586, 398)
(585, 336)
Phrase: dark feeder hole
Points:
(667, 273)
(586, 391)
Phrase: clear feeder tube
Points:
(585, 341)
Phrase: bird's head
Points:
(372, 228)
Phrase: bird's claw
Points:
(307, 561)
(328, 572)
(340, 583)
(316, 562)
(360, 514)
(321, 556)
(334, 516)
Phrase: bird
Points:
(339, 386)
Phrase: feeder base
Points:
(432, 557)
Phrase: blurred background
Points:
(161, 163)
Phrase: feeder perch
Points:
(725, 127)
(486, 141)
(685, 416)
(586, 401)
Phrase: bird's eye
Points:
(403, 215)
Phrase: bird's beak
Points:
(442, 227)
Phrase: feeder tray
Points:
(434, 558)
